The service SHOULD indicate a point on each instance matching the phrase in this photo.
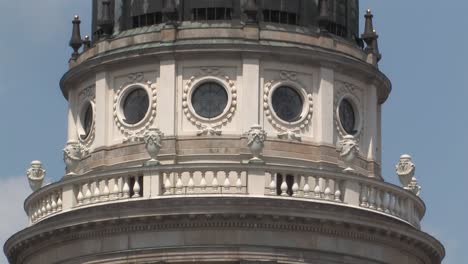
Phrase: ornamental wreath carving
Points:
(135, 132)
(288, 130)
(211, 126)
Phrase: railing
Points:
(276, 182)
(188, 182)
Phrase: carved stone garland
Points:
(206, 127)
(355, 93)
(287, 131)
(133, 133)
(88, 95)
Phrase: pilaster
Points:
(102, 110)
(166, 107)
(251, 92)
(324, 112)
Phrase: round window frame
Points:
(82, 115)
(357, 114)
(305, 103)
(195, 85)
(121, 100)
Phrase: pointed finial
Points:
(369, 26)
(75, 41)
(86, 43)
(324, 16)
(106, 22)
(251, 11)
(370, 35)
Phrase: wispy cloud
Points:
(14, 191)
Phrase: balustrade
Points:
(275, 182)
(188, 182)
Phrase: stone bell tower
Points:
(227, 131)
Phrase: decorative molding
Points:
(87, 142)
(290, 131)
(354, 94)
(348, 149)
(133, 133)
(88, 93)
(210, 126)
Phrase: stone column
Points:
(324, 111)
(251, 90)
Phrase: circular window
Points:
(209, 100)
(86, 119)
(135, 106)
(287, 103)
(347, 116)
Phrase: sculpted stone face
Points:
(36, 175)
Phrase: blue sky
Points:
(424, 45)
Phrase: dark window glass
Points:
(282, 17)
(147, 20)
(347, 117)
(135, 106)
(287, 103)
(209, 100)
(220, 13)
(87, 121)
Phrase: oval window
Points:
(209, 100)
(347, 117)
(135, 106)
(287, 103)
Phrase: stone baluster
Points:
(203, 181)
(115, 189)
(97, 191)
(364, 196)
(167, 184)
(79, 196)
(337, 191)
(317, 188)
(53, 198)
(136, 188)
(372, 198)
(214, 182)
(125, 188)
(272, 184)
(43, 208)
(284, 186)
(48, 206)
(391, 202)
(179, 184)
(295, 186)
(191, 183)
(306, 188)
(239, 182)
(386, 202)
(88, 195)
(105, 192)
(227, 182)
(59, 200)
(327, 192)
(397, 205)
(378, 200)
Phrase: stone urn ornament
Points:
(348, 149)
(256, 140)
(72, 155)
(153, 142)
(35, 175)
(405, 170)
